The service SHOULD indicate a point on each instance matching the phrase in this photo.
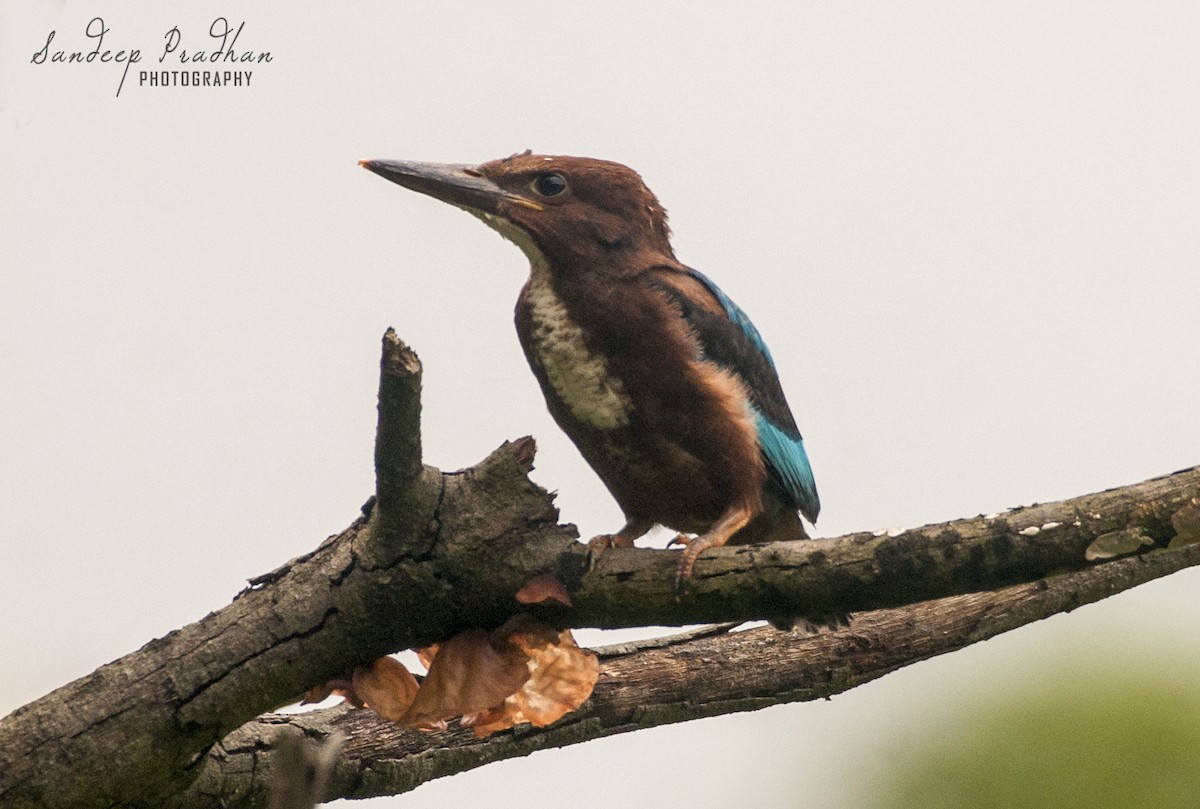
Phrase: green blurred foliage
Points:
(1078, 739)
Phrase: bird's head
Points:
(571, 212)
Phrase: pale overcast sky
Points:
(968, 231)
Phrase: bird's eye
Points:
(549, 185)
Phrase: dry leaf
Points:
(524, 672)
(522, 633)
(340, 687)
(467, 675)
(427, 655)
(386, 687)
(484, 718)
(542, 589)
(561, 677)
(318, 693)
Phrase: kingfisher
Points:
(662, 382)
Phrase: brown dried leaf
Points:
(318, 693)
(340, 687)
(561, 677)
(542, 589)
(427, 655)
(386, 687)
(524, 634)
(467, 675)
(485, 723)
(484, 718)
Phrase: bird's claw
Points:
(597, 545)
(680, 539)
(687, 560)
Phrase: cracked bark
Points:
(436, 553)
(669, 680)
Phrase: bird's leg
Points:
(624, 538)
(728, 524)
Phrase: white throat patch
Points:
(579, 377)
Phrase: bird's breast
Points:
(580, 377)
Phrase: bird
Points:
(660, 380)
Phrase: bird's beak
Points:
(457, 184)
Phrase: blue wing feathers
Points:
(740, 318)
(787, 457)
(783, 448)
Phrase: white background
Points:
(969, 232)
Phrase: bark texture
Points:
(436, 553)
(700, 674)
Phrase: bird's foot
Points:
(680, 539)
(693, 547)
(624, 538)
(732, 521)
(599, 544)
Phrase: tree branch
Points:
(443, 552)
(867, 571)
(398, 434)
(697, 675)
